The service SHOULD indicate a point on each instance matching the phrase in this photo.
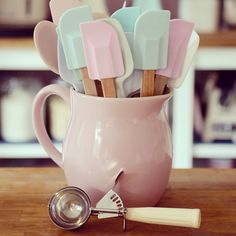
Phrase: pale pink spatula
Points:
(193, 45)
(103, 54)
(179, 35)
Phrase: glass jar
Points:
(203, 13)
(17, 95)
(229, 13)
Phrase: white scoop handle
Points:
(165, 216)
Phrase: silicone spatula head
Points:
(127, 56)
(102, 50)
(58, 7)
(69, 33)
(192, 47)
(45, 40)
(151, 35)
(148, 5)
(127, 17)
(132, 84)
(179, 34)
(68, 75)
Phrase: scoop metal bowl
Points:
(69, 208)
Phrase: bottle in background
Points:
(17, 96)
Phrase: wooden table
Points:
(24, 194)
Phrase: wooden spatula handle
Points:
(109, 87)
(165, 216)
(160, 84)
(147, 88)
(89, 84)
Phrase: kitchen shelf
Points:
(20, 54)
(23, 150)
(214, 150)
(216, 58)
(217, 52)
(218, 39)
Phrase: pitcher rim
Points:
(163, 96)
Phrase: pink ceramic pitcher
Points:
(119, 143)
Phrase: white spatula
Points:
(127, 57)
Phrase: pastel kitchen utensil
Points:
(148, 5)
(189, 57)
(179, 34)
(127, 17)
(127, 57)
(99, 7)
(151, 35)
(103, 54)
(108, 135)
(66, 74)
(45, 40)
(124, 4)
(70, 208)
(58, 7)
(69, 34)
(73, 77)
(132, 84)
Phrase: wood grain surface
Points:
(24, 194)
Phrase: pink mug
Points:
(122, 144)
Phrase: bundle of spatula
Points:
(132, 52)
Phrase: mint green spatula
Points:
(70, 37)
(127, 17)
(151, 35)
(58, 7)
(147, 5)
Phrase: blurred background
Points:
(204, 135)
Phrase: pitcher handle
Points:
(38, 119)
